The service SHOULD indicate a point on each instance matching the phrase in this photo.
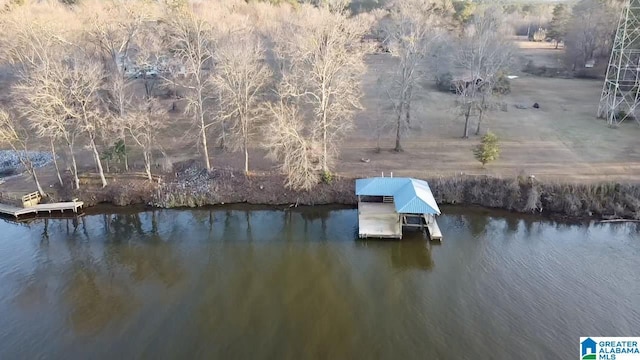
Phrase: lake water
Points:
(240, 283)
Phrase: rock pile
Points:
(10, 161)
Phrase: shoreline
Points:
(523, 195)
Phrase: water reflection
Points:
(122, 226)
(297, 283)
(413, 256)
(107, 256)
(94, 294)
(144, 254)
(96, 299)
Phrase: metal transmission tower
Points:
(621, 90)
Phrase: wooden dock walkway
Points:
(434, 230)
(41, 208)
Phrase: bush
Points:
(535, 70)
(587, 73)
(622, 115)
(443, 82)
(488, 150)
(327, 177)
(502, 86)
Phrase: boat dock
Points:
(378, 220)
(387, 205)
(31, 206)
(61, 207)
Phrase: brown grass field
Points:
(562, 141)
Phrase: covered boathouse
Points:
(387, 204)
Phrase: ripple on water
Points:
(238, 283)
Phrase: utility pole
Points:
(621, 91)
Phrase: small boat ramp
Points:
(386, 205)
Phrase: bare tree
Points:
(27, 35)
(14, 134)
(38, 103)
(112, 34)
(322, 63)
(241, 75)
(60, 98)
(83, 78)
(34, 51)
(297, 153)
(144, 124)
(409, 32)
(483, 52)
(191, 41)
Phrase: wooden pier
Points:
(61, 207)
(31, 206)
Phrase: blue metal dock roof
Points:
(410, 196)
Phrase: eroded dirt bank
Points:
(193, 187)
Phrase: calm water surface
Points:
(270, 284)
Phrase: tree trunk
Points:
(75, 166)
(466, 122)
(325, 168)
(147, 86)
(246, 156)
(200, 118)
(407, 114)
(480, 115)
(55, 162)
(203, 129)
(147, 165)
(223, 135)
(126, 157)
(407, 109)
(398, 147)
(324, 105)
(245, 132)
(35, 179)
(479, 122)
(121, 87)
(98, 162)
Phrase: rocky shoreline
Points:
(10, 161)
(194, 188)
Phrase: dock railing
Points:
(31, 199)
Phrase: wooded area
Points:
(279, 75)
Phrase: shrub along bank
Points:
(193, 187)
